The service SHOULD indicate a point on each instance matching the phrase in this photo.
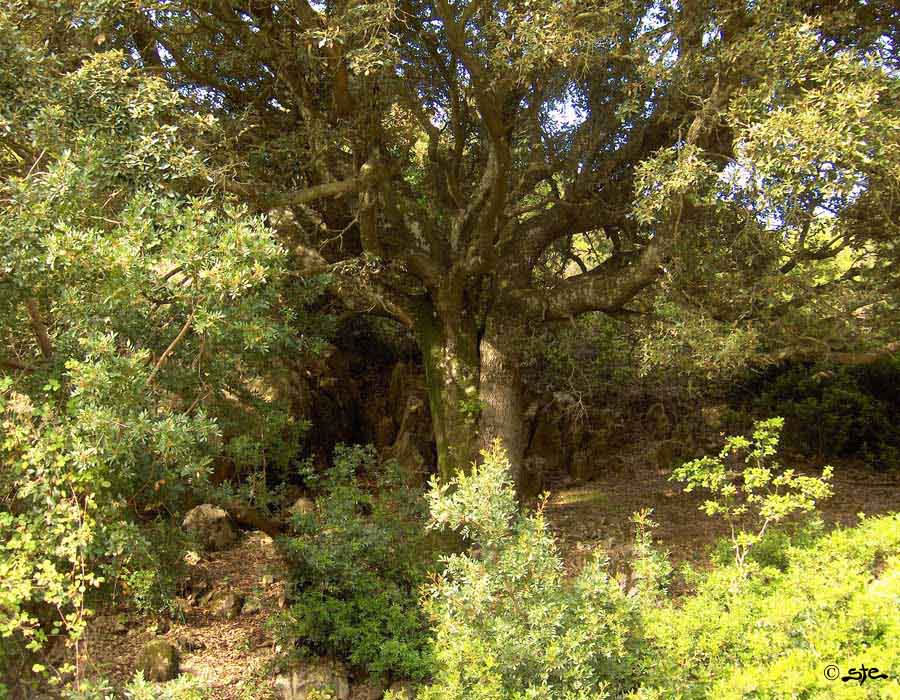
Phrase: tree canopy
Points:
(179, 179)
(472, 169)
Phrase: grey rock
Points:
(370, 689)
(226, 605)
(190, 642)
(303, 506)
(211, 526)
(252, 606)
(299, 682)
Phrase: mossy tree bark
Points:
(474, 387)
(450, 357)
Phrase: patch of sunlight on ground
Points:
(579, 497)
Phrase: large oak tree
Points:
(473, 168)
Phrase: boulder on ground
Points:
(195, 586)
(226, 605)
(211, 526)
(370, 689)
(300, 682)
(158, 661)
(252, 606)
(189, 642)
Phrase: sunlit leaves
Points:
(761, 490)
(508, 624)
(116, 421)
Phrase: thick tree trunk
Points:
(450, 355)
(501, 397)
(474, 390)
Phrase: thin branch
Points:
(271, 200)
(15, 364)
(168, 351)
(171, 273)
(39, 327)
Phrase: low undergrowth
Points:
(358, 561)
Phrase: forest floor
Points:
(235, 657)
(598, 512)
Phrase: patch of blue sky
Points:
(743, 181)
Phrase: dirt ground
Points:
(235, 657)
(598, 511)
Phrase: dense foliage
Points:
(135, 325)
(773, 634)
(721, 172)
(509, 625)
(182, 688)
(357, 563)
(837, 411)
(602, 202)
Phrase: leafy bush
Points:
(148, 562)
(134, 328)
(67, 527)
(771, 635)
(587, 359)
(508, 624)
(357, 563)
(839, 411)
(756, 493)
(181, 688)
(767, 621)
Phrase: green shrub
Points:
(748, 490)
(139, 325)
(181, 688)
(508, 624)
(771, 635)
(96, 689)
(67, 533)
(588, 358)
(357, 564)
(839, 411)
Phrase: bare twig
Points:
(168, 351)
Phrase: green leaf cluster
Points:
(508, 623)
(757, 493)
(772, 635)
(136, 327)
(357, 563)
